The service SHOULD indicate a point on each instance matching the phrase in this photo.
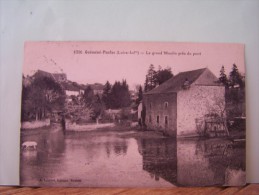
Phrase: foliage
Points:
(155, 78)
(93, 103)
(117, 95)
(235, 77)
(235, 93)
(163, 75)
(88, 95)
(77, 109)
(42, 97)
(150, 82)
(107, 95)
(97, 108)
(223, 77)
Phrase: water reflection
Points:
(210, 162)
(128, 159)
(50, 147)
(86, 159)
(159, 158)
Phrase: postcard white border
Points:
(180, 21)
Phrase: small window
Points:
(166, 104)
(157, 119)
(150, 119)
(150, 105)
(166, 121)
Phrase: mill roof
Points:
(175, 83)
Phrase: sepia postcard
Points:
(133, 114)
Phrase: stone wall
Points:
(161, 112)
(195, 103)
(35, 124)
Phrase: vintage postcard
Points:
(133, 114)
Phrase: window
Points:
(157, 119)
(150, 119)
(166, 104)
(150, 105)
(166, 121)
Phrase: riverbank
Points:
(35, 124)
(88, 127)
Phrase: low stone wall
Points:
(87, 127)
(35, 124)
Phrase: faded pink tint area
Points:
(89, 68)
(179, 133)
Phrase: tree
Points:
(125, 94)
(25, 107)
(235, 77)
(234, 93)
(223, 77)
(88, 95)
(163, 75)
(42, 97)
(77, 109)
(107, 97)
(97, 108)
(150, 82)
(154, 78)
(140, 95)
(120, 96)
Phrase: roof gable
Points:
(175, 84)
(207, 78)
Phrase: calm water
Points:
(127, 159)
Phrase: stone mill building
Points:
(174, 106)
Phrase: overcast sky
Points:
(91, 62)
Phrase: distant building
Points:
(174, 106)
(97, 88)
(71, 88)
(41, 73)
(60, 77)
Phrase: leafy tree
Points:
(88, 95)
(125, 94)
(77, 110)
(154, 78)
(25, 107)
(107, 96)
(42, 97)
(150, 82)
(120, 96)
(163, 75)
(234, 96)
(223, 77)
(97, 108)
(115, 95)
(235, 77)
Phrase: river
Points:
(127, 158)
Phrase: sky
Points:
(97, 62)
